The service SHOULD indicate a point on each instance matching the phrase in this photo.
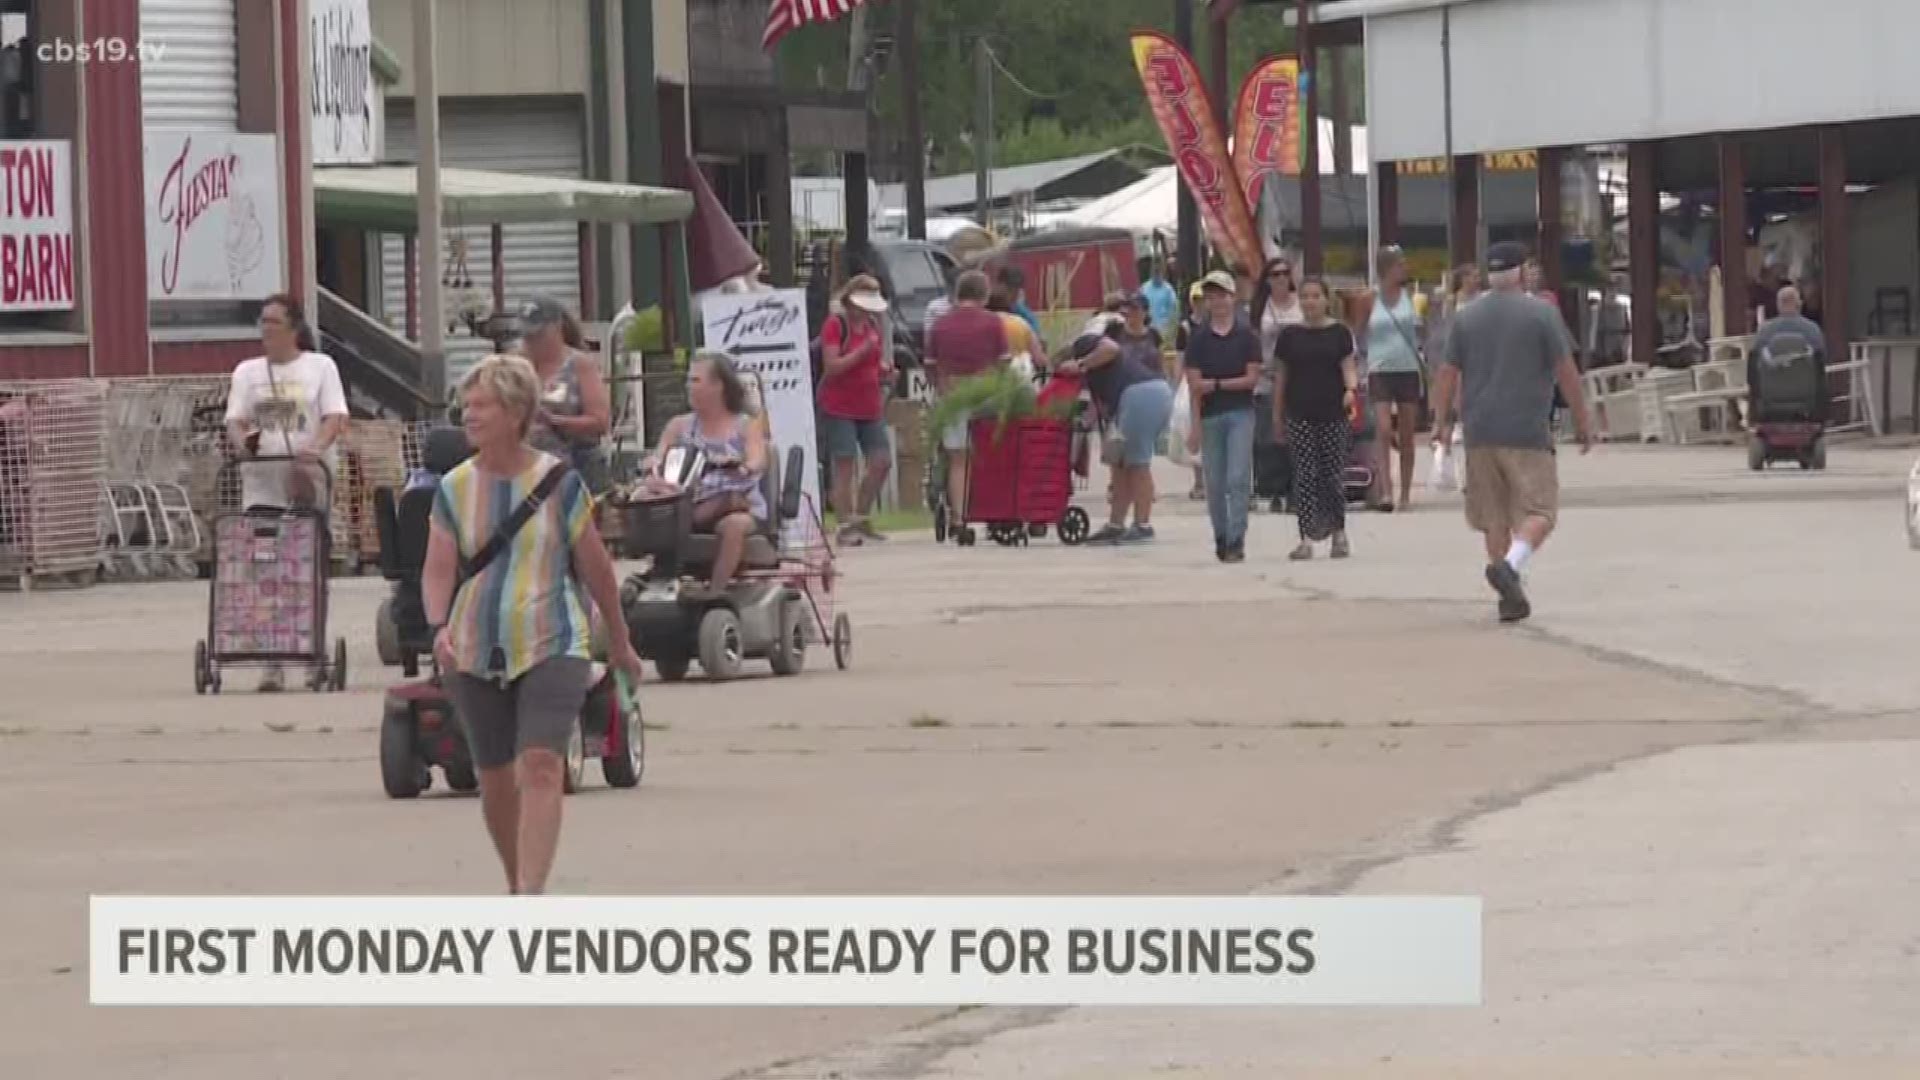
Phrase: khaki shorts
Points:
(1506, 486)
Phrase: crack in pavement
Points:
(894, 1058)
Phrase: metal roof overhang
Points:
(383, 198)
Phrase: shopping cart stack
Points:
(374, 455)
(154, 527)
(53, 437)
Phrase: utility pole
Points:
(983, 132)
(1187, 242)
(1446, 121)
(1309, 106)
(857, 49)
(426, 129)
(907, 40)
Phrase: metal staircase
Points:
(375, 363)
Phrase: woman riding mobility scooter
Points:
(724, 585)
(1787, 395)
(419, 728)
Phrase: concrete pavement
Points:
(1734, 910)
(1710, 695)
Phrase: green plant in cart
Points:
(1000, 394)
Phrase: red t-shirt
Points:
(854, 394)
(967, 341)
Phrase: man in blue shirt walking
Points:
(1163, 304)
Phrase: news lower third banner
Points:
(955, 950)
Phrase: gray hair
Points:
(511, 380)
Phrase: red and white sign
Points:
(213, 216)
(36, 226)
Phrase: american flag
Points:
(786, 15)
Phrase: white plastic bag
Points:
(1442, 473)
(1180, 428)
(1913, 507)
(1022, 363)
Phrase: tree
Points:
(1072, 54)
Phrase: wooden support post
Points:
(1466, 209)
(1643, 242)
(410, 261)
(1736, 307)
(1552, 231)
(1187, 235)
(1834, 253)
(1387, 184)
(589, 295)
(1313, 254)
(497, 245)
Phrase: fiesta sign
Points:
(213, 216)
(36, 226)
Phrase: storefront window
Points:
(40, 260)
(19, 119)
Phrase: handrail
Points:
(391, 362)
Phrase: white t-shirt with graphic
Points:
(286, 402)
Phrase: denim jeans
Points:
(1226, 457)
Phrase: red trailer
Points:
(1072, 269)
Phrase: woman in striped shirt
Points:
(513, 634)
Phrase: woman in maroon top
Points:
(854, 372)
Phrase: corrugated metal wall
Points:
(494, 47)
(1531, 73)
(537, 138)
(194, 82)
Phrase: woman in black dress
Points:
(1313, 402)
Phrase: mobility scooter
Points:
(776, 604)
(1787, 404)
(418, 727)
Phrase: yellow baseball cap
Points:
(1221, 280)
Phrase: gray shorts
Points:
(537, 711)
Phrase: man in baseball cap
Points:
(1505, 353)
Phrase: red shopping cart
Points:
(1021, 483)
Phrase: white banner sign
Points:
(213, 215)
(346, 103)
(766, 334)
(36, 226)
(761, 951)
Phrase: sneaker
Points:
(1277, 506)
(1236, 554)
(1513, 598)
(1108, 535)
(865, 528)
(273, 680)
(848, 536)
(1301, 553)
(1197, 494)
(1139, 534)
(1340, 548)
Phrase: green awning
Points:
(381, 198)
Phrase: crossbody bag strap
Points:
(1418, 356)
(477, 564)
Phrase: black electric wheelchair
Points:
(419, 729)
(777, 603)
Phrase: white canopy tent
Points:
(1153, 204)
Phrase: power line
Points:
(1014, 79)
